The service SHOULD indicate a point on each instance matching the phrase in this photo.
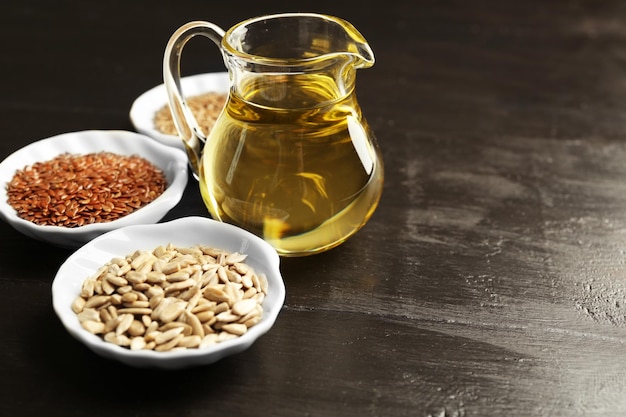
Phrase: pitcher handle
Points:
(186, 124)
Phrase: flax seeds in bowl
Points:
(70, 188)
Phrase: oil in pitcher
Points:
(291, 157)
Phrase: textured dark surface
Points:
(491, 280)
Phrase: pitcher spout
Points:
(268, 53)
(291, 40)
(356, 46)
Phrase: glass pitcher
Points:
(290, 158)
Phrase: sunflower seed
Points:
(172, 298)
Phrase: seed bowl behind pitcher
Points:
(172, 162)
(145, 108)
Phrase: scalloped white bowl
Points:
(145, 107)
(183, 232)
(172, 161)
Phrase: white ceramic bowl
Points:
(173, 162)
(145, 107)
(183, 232)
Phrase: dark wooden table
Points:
(491, 280)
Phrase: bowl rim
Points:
(66, 281)
(175, 163)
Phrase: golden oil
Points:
(293, 162)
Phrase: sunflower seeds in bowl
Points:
(171, 295)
